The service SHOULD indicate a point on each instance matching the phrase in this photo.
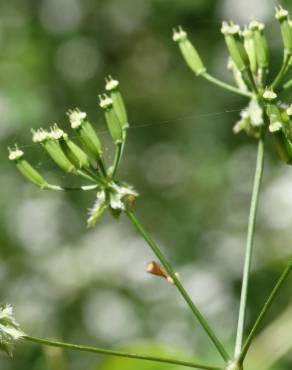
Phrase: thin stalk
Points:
(249, 245)
(179, 286)
(102, 167)
(263, 312)
(64, 188)
(282, 71)
(117, 159)
(225, 86)
(77, 347)
(287, 85)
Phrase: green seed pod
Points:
(50, 141)
(112, 86)
(280, 133)
(86, 132)
(237, 76)
(249, 45)
(283, 17)
(76, 155)
(234, 42)
(16, 155)
(188, 51)
(112, 120)
(261, 45)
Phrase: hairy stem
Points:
(249, 245)
(179, 286)
(263, 312)
(77, 347)
(225, 86)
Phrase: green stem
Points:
(263, 312)
(249, 245)
(64, 188)
(179, 286)
(102, 167)
(118, 156)
(287, 85)
(76, 347)
(282, 71)
(225, 86)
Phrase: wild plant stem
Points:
(249, 245)
(282, 71)
(179, 286)
(263, 312)
(225, 86)
(77, 347)
(117, 159)
(64, 188)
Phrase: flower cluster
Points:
(9, 330)
(249, 63)
(86, 160)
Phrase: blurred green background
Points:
(194, 177)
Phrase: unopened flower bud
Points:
(16, 155)
(86, 132)
(112, 86)
(234, 42)
(50, 141)
(283, 17)
(112, 120)
(261, 45)
(188, 51)
(269, 95)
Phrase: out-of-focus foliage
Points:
(193, 174)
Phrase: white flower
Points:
(118, 194)
(179, 35)
(15, 154)
(269, 95)
(76, 118)
(115, 197)
(111, 84)
(39, 135)
(105, 102)
(98, 208)
(56, 133)
(9, 330)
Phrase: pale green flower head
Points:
(9, 330)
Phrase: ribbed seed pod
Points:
(234, 42)
(86, 132)
(188, 51)
(112, 120)
(261, 45)
(52, 146)
(283, 17)
(16, 155)
(112, 86)
(73, 152)
(249, 45)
